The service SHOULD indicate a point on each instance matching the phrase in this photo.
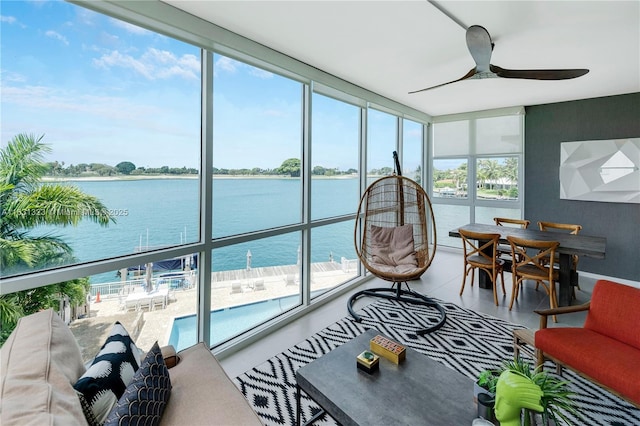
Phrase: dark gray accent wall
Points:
(546, 126)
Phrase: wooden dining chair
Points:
(480, 253)
(533, 265)
(522, 223)
(504, 250)
(571, 229)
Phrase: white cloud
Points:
(190, 61)
(11, 20)
(227, 64)
(116, 59)
(86, 16)
(8, 19)
(153, 64)
(57, 36)
(257, 72)
(232, 66)
(108, 40)
(161, 56)
(53, 99)
(130, 28)
(12, 77)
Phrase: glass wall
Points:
(163, 168)
(382, 135)
(497, 178)
(412, 157)
(145, 298)
(335, 191)
(477, 164)
(253, 282)
(450, 178)
(111, 111)
(257, 122)
(448, 217)
(333, 257)
(334, 155)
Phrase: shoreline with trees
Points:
(126, 170)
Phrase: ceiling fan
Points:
(480, 46)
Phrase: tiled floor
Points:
(442, 280)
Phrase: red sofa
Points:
(606, 350)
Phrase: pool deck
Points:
(278, 281)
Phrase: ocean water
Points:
(165, 212)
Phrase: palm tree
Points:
(25, 203)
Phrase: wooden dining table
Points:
(580, 244)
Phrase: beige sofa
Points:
(41, 361)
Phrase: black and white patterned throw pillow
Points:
(106, 379)
(146, 397)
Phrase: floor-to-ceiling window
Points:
(382, 136)
(216, 174)
(100, 120)
(257, 186)
(335, 190)
(412, 150)
(116, 108)
(476, 170)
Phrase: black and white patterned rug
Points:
(468, 342)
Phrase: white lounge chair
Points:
(159, 300)
(290, 280)
(258, 285)
(131, 305)
(144, 303)
(236, 288)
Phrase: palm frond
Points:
(10, 310)
(13, 252)
(28, 252)
(56, 205)
(22, 161)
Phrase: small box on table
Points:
(368, 361)
(388, 349)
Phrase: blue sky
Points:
(105, 91)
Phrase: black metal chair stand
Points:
(401, 295)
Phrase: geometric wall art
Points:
(603, 170)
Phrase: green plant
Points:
(26, 204)
(488, 379)
(556, 396)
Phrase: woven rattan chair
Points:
(534, 266)
(480, 252)
(392, 240)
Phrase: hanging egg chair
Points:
(391, 238)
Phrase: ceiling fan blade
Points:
(470, 74)
(539, 74)
(480, 46)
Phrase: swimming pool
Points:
(229, 322)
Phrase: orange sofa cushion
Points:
(615, 312)
(609, 362)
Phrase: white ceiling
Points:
(393, 47)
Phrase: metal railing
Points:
(177, 280)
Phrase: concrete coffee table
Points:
(417, 391)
